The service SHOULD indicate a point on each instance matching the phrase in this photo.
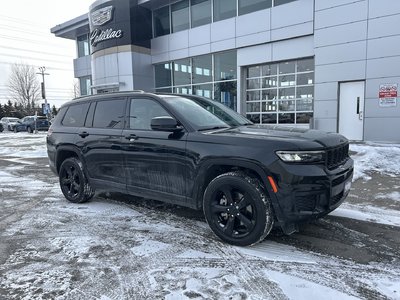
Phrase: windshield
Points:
(206, 114)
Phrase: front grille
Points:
(337, 156)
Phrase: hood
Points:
(289, 134)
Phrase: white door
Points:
(351, 110)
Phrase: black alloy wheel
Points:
(73, 182)
(237, 209)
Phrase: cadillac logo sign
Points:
(98, 35)
(101, 16)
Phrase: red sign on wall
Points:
(388, 90)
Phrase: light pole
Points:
(42, 72)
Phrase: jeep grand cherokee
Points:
(198, 153)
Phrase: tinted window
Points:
(109, 114)
(75, 116)
(142, 111)
(201, 12)
(180, 16)
(161, 21)
(202, 69)
(248, 6)
(224, 9)
(163, 74)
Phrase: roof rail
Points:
(138, 91)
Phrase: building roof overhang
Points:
(72, 28)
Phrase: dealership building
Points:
(332, 65)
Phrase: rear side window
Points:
(109, 114)
(75, 115)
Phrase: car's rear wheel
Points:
(237, 209)
(73, 182)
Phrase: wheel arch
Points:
(214, 167)
(64, 152)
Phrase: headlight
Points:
(301, 156)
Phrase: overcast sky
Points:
(25, 37)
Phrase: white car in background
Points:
(9, 122)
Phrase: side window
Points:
(109, 114)
(142, 111)
(75, 115)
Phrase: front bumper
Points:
(307, 192)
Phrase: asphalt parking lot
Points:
(119, 247)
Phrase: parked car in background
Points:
(9, 122)
(30, 123)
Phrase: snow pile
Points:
(372, 157)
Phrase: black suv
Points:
(198, 153)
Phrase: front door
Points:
(156, 162)
(351, 110)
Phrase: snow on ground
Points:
(107, 249)
(373, 157)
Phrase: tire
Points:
(234, 218)
(29, 129)
(73, 182)
(15, 129)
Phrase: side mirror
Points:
(165, 123)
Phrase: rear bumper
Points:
(310, 192)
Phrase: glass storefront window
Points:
(212, 76)
(200, 12)
(226, 93)
(202, 69)
(180, 16)
(225, 64)
(183, 90)
(161, 21)
(269, 94)
(182, 72)
(248, 6)
(224, 9)
(204, 90)
(83, 45)
(163, 75)
(268, 82)
(288, 67)
(287, 91)
(268, 70)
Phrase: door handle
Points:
(358, 105)
(131, 137)
(83, 134)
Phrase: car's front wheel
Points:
(15, 129)
(73, 182)
(237, 209)
(29, 129)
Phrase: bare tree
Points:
(24, 87)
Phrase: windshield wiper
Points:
(213, 128)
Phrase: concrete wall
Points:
(357, 40)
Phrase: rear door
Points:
(156, 161)
(100, 143)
